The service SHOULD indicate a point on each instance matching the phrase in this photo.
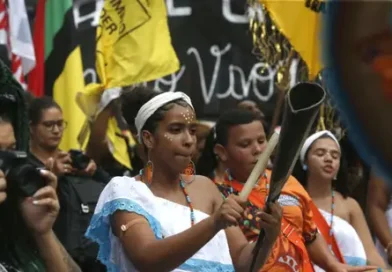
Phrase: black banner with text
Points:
(213, 43)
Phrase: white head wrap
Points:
(311, 139)
(154, 104)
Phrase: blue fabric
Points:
(354, 261)
(99, 230)
(357, 134)
(197, 265)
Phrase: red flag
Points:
(13, 24)
(36, 78)
(3, 23)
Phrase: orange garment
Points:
(289, 252)
(325, 229)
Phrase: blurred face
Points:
(201, 142)
(323, 159)
(7, 137)
(202, 132)
(174, 142)
(49, 131)
(245, 144)
(250, 106)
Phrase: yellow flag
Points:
(134, 42)
(301, 26)
(133, 46)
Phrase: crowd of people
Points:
(178, 209)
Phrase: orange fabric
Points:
(324, 229)
(289, 252)
(376, 51)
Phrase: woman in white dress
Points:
(338, 217)
(163, 220)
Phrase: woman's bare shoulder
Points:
(204, 181)
(205, 187)
(353, 206)
(204, 184)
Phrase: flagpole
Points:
(283, 84)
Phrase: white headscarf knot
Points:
(154, 104)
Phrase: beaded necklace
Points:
(332, 212)
(264, 175)
(187, 197)
(189, 202)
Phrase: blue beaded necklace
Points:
(189, 202)
(332, 212)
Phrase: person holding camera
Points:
(37, 249)
(80, 180)
(46, 130)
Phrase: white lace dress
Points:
(166, 218)
(348, 241)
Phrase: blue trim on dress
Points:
(99, 229)
(354, 261)
(334, 83)
(198, 265)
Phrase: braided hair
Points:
(13, 105)
(16, 248)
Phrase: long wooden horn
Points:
(302, 104)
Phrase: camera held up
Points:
(22, 177)
(79, 160)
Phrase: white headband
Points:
(154, 104)
(311, 139)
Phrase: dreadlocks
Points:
(16, 247)
(13, 105)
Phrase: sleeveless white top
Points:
(166, 218)
(348, 241)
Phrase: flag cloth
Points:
(63, 68)
(15, 34)
(20, 35)
(301, 26)
(3, 23)
(133, 46)
(36, 78)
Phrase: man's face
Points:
(7, 137)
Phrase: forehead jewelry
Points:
(188, 116)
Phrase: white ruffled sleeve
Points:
(121, 194)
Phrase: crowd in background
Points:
(153, 187)
(318, 206)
